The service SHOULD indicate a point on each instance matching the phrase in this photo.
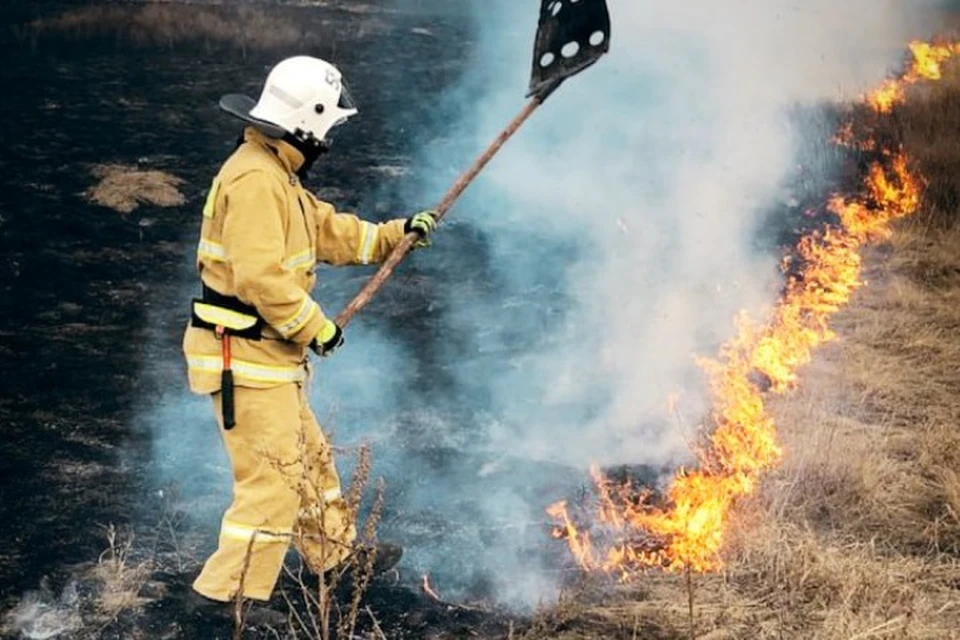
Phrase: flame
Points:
(890, 94)
(685, 529)
(926, 63)
(845, 135)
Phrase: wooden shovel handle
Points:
(401, 250)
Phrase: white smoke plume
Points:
(622, 226)
(657, 165)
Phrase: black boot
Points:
(386, 558)
(253, 613)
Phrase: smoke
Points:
(638, 192)
(618, 236)
(563, 304)
(44, 614)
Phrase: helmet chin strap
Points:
(310, 148)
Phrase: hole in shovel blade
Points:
(555, 8)
(547, 59)
(597, 38)
(570, 49)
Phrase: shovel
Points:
(573, 34)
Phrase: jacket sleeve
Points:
(343, 238)
(253, 241)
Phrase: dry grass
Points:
(247, 28)
(928, 125)
(121, 577)
(123, 188)
(857, 535)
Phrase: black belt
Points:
(230, 303)
(226, 317)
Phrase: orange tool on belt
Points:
(226, 380)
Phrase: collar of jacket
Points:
(289, 157)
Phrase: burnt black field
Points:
(93, 302)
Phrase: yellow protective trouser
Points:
(285, 490)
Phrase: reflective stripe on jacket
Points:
(261, 238)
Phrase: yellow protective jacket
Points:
(261, 239)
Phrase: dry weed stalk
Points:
(239, 602)
(121, 576)
(172, 516)
(364, 572)
(316, 611)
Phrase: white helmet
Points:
(303, 96)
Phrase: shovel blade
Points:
(573, 34)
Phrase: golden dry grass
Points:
(124, 188)
(857, 535)
(170, 24)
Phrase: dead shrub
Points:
(121, 576)
(331, 599)
(124, 188)
(322, 605)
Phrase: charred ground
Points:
(856, 536)
(89, 285)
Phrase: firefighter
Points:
(263, 235)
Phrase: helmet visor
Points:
(347, 103)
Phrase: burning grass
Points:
(124, 188)
(740, 441)
(855, 533)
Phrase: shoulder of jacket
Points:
(251, 159)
